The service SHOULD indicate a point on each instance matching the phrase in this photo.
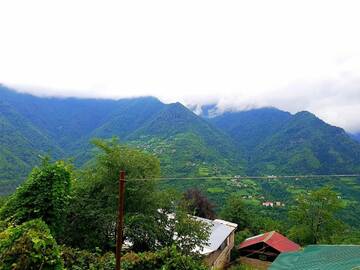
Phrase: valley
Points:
(260, 142)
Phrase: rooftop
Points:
(273, 239)
(320, 257)
(220, 231)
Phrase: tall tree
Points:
(198, 204)
(234, 210)
(93, 210)
(148, 213)
(45, 195)
(314, 216)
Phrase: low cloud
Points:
(302, 55)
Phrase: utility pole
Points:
(120, 221)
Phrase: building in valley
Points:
(267, 246)
(221, 241)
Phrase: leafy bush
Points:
(29, 246)
(166, 259)
(75, 259)
(44, 195)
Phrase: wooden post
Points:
(120, 221)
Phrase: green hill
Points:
(306, 144)
(251, 128)
(21, 144)
(277, 142)
(187, 144)
(261, 141)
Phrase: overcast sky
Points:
(294, 55)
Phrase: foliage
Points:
(314, 217)
(234, 211)
(168, 225)
(166, 259)
(94, 206)
(261, 224)
(198, 204)
(45, 195)
(76, 259)
(29, 246)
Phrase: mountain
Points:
(185, 143)
(281, 143)
(188, 143)
(21, 144)
(251, 128)
(355, 136)
(64, 120)
(259, 141)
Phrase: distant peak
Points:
(305, 114)
(177, 105)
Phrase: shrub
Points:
(166, 259)
(44, 195)
(76, 259)
(29, 246)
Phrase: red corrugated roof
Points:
(273, 239)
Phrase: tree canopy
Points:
(314, 216)
(234, 210)
(45, 195)
(93, 209)
(29, 246)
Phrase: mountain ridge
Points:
(258, 141)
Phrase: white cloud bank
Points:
(294, 55)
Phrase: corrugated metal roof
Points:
(320, 257)
(273, 239)
(220, 231)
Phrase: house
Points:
(320, 257)
(221, 241)
(268, 204)
(267, 246)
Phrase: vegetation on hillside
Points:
(81, 211)
(260, 141)
(65, 218)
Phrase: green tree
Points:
(314, 216)
(91, 221)
(235, 211)
(93, 213)
(45, 195)
(169, 225)
(29, 246)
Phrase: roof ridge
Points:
(268, 236)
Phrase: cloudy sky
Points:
(294, 55)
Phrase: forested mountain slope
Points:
(251, 128)
(261, 141)
(356, 136)
(21, 144)
(281, 143)
(185, 143)
(188, 143)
